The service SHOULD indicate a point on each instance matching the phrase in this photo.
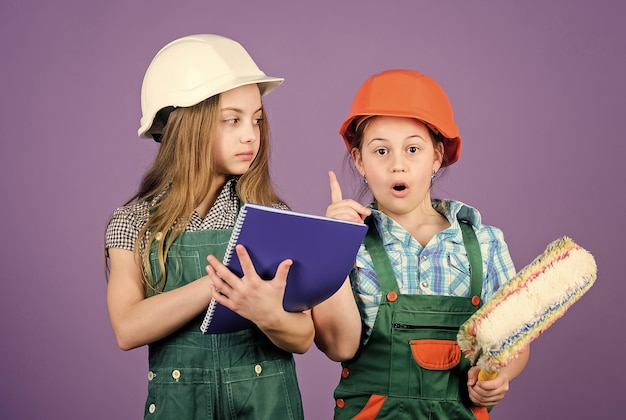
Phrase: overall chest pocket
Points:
(186, 258)
(183, 265)
(427, 338)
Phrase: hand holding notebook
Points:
(322, 249)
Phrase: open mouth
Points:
(399, 187)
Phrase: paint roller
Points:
(524, 307)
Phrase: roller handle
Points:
(485, 375)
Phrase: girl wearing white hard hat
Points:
(201, 99)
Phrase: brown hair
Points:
(356, 130)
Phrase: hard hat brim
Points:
(452, 145)
(185, 99)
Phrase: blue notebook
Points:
(323, 251)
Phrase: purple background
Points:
(538, 93)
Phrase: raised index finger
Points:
(335, 188)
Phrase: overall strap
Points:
(475, 260)
(382, 266)
(387, 279)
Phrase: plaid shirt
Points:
(127, 221)
(439, 268)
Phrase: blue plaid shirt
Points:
(439, 268)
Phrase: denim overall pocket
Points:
(175, 391)
(183, 265)
(261, 390)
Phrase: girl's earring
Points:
(433, 175)
(365, 180)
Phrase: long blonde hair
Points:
(182, 174)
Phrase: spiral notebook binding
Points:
(230, 248)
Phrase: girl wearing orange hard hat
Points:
(425, 266)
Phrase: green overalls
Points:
(239, 375)
(411, 367)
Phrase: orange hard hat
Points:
(407, 93)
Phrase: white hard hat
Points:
(193, 68)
